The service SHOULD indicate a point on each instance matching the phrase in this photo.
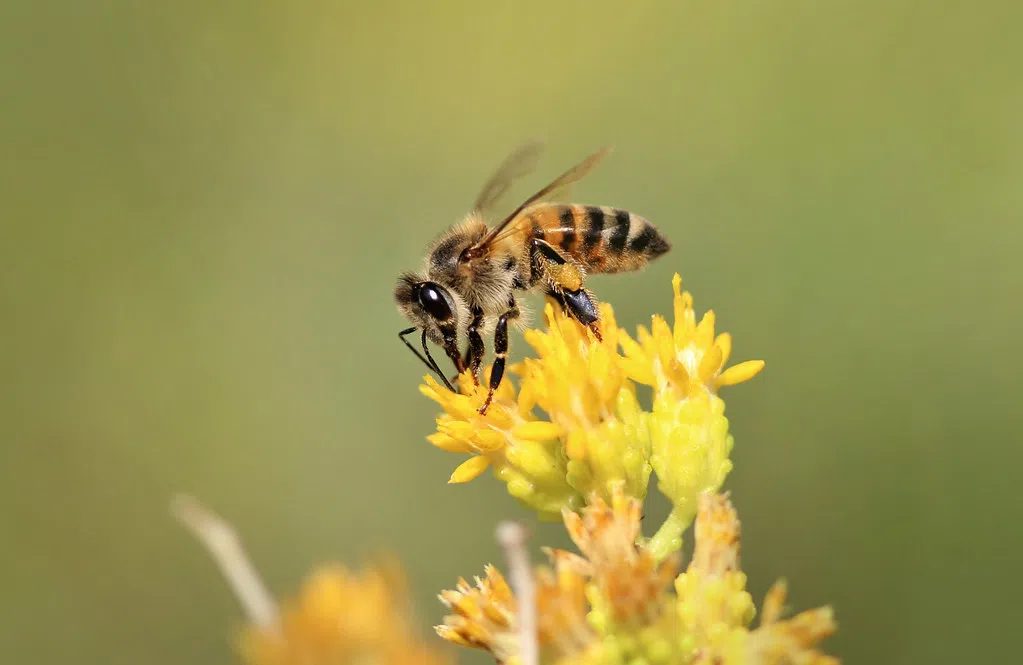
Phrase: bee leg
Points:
(565, 284)
(583, 307)
(513, 310)
(474, 354)
(501, 351)
(450, 335)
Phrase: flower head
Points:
(482, 616)
(686, 357)
(578, 380)
(713, 604)
(592, 433)
(689, 439)
(342, 616)
(630, 581)
(779, 642)
(521, 448)
(339, 617)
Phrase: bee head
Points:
(430, 306)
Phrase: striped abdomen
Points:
(601, 239)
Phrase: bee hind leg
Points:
(564, 280)
(581, 306)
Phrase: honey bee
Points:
(472, 272)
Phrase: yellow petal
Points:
(640, 372)
(741, 372)
(429, 390)
(679, 306)
(538, 430)
(704, 335)
(575, 446)
(456, 429)
(450, 444)
(630, 347)
(724, 342)
(469, 469)
(774, 603)
(710, 364)
(527, 398)
(451, 635)
(489, 440)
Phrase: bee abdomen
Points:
(604, 239)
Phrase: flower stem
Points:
(219, 539)
(668, 538)
(512, 536)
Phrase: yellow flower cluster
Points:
(615, 604)
(594, 433)
(342, 616)
(572, 442)
(575, 433)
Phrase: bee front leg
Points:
(474, 354)
(449, 333)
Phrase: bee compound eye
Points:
(434, 301)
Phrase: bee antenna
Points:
(428, 359)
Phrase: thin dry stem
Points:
(219, 539)
(512, 537)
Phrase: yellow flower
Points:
(689, 439)
(340, 616)
(576, 418)
(580, 383)
(562, 606)
(523, 450)
(613, 603)
(483, 617)
(792, 640)
(713, 603)
(594, 435)
(687, 356)
(630, 582)
(716, 609)
(592, 432)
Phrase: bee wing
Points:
(574, 174)
(519, 163)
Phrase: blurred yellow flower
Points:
(340, 616)
(483, 616)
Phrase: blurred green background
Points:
(205, 205)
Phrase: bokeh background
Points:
(205, 204)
